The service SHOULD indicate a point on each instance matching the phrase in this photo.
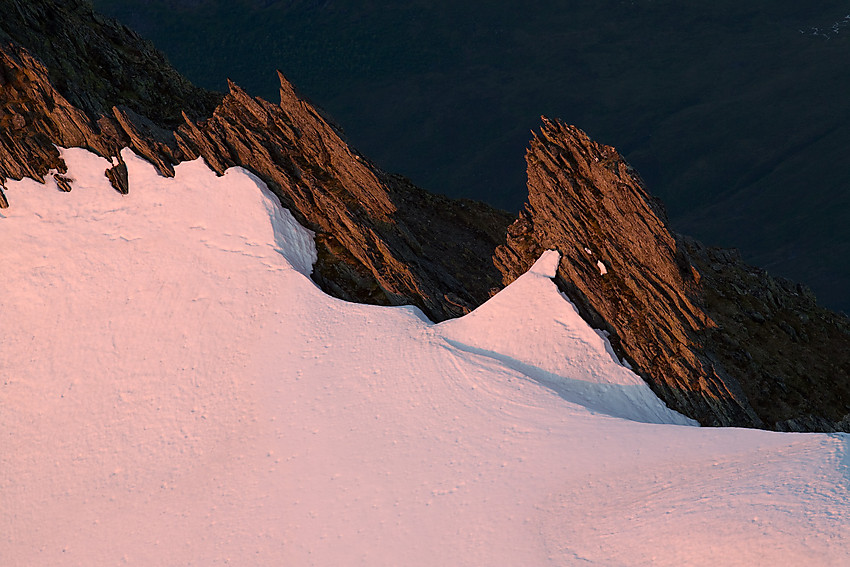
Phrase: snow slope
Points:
(176, 391)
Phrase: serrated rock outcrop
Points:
(697, 323)
(380, 239)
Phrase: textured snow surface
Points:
(531, 328)
(176, 391)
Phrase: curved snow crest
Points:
(245, 192)
(173, 392)
(534, 329)
(547, 264)
(194, 197)
(294, 242)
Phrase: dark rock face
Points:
(791, 356)
(677, 312)
(97, 63)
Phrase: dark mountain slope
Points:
(97, 63)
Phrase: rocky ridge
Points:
(380, 239)
(69, 77)
(716, 339)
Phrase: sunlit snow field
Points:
(175, 390)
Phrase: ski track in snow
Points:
(176, 391)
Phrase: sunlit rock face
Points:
(380, 239)
(685, 316)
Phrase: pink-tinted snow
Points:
(176, 391)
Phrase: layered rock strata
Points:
(98, 63)
(69, 77)
(716, 339)
(380, 239)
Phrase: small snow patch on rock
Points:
(602, 269)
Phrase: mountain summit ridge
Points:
(716, 339)
(705, 330)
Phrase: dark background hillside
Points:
(735, 113)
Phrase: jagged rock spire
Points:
(660, 300)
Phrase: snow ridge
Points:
(177, 391)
